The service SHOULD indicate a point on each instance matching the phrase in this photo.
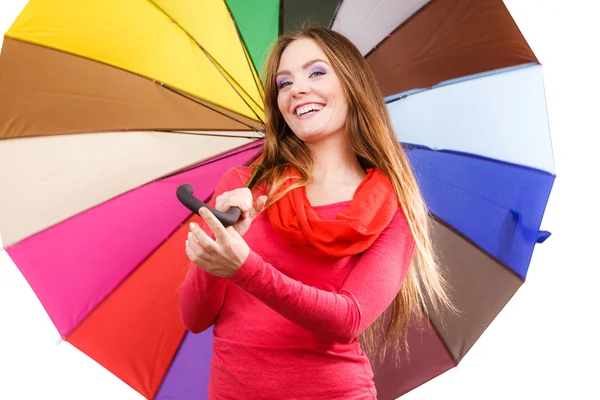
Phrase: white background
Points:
(541, 346)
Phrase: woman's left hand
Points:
(222, 256)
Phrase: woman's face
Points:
(310, 95)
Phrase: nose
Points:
(300, 88)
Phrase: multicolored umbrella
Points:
(108, 106)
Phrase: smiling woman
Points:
(345, 236)
(311, 97)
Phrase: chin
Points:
(312, 133)
(311, 136)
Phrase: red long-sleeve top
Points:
(287, 323)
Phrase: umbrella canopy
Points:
(108, 106)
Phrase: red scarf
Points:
(350, 232)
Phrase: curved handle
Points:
(185, 196)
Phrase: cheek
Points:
(341, 104)
(282, 103)
(336, 91)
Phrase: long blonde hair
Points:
(372, 138)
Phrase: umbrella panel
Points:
(452, 45)
(448, 39)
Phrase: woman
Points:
(294, 290)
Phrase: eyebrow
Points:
(306, 65)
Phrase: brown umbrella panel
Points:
(449, 39)
(480, 288)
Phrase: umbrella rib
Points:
(443, 339)
(335, 13)
(221, 69)
(246, 53)
(213, 134)
(213, 160)
(217, 65)
(464, 237)
(209, 161)
(196, 100)
(251, 66)
(280, 29)
(514, 164)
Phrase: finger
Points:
(190, 252)
(241, 198)
(194, 244)
(258, 206)
(194, 256)
(245, 199)
(249, 200)
(202, 239)
(226, 204)
(215, 225)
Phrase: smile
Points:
(308, 109)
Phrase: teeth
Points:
(308, 108)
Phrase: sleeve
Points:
(368, 290)
(202, 294)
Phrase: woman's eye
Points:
(283, 84)
(317, 73)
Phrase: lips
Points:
(306, 108)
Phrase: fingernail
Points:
(203, 211)
(193, 225)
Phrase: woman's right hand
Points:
(243, 199)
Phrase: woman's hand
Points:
(222, 256)
(243, 199)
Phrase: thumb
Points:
(258, 206)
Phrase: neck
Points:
(334, 161)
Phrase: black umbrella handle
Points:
(185, 196)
